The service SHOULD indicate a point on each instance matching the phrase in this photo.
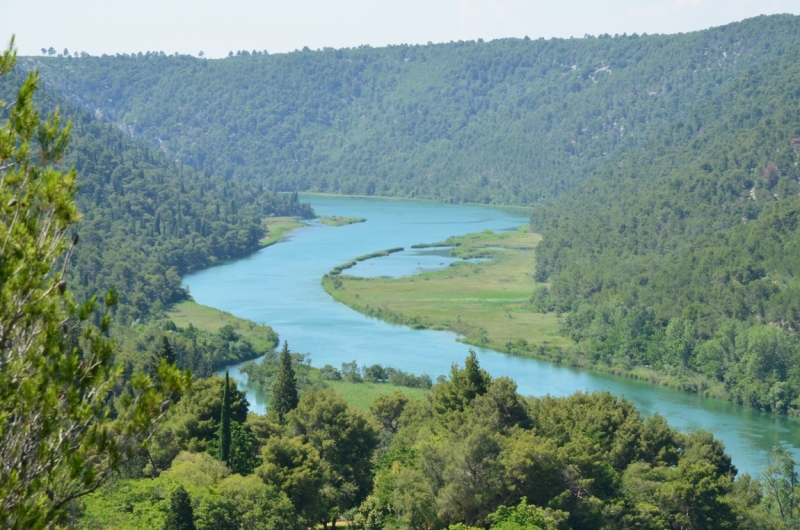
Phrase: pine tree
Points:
(284, 391)
(180, 515)
(166, 352)
(57, 440)
(225, 422)
(477, 379)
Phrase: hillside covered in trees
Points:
(662, 168)
(148, 220)
(513, 121)
(682, 254)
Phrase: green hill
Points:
(663, 169)
(512, 121)
(148, 220)
(683, 254)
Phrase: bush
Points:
(330, 373)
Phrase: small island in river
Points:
(334, 220)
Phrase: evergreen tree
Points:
(284, 392)
(181, 515)
(57, 439)
(478, 380)
(225, 423)
(166, 352)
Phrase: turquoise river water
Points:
(280, 286)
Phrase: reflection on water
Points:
(280, 286)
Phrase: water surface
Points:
(280, 286)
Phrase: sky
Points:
(216, 27)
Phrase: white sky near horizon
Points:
(187, 27)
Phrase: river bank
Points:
(280, 286)
(278, 228)
(487, 305)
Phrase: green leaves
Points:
(284, 391)
(57, 438)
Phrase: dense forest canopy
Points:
(512, 121)
(682, 254)
(148, 220)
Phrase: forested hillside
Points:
(148, 220)
(670, 162)
(683, 254)
(510, 121)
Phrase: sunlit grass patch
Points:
(209, 319)
(361, 395)
(278, 227)
(487, 302)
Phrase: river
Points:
(280, 286)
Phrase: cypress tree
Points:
(181, 515)
(284, 391)
(225, 423)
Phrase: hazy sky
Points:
(216, 27)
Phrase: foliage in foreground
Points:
(474, 454)
(60, 434)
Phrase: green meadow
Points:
(209, 319)
(487, 303)
(277, 227)
(361, 395)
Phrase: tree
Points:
(259, 506)
(224, 434)
(294, 467)
(58, 440)
(242, 457)
(193, 424)
(345, 441)
(781, 488)
(217, 513)
(463, 386)
(164, 353)
(525, 517)
(180, 515)
(387, 409)
(284, 392)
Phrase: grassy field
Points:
(340, 221)
(278, 227)
(361, 395)
(210, 319)
(485, 302)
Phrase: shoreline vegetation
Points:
(205, 318)
(334, 220)
(488, 305)
(336, 271)
(359, 392)
(277, 228)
